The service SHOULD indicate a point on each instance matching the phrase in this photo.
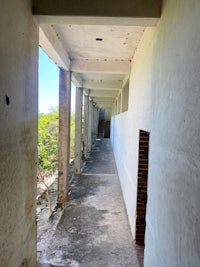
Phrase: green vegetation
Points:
(48, 141)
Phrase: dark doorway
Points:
(142, 187)
(104, 124)
(107, 129)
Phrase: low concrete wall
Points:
(164, 99)
(126, 167)
(18, 138)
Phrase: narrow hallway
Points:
(93, 230)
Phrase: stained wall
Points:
(18, 133)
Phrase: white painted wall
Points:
(125, 126)
(164, 98)
(18, 133)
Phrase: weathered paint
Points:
(18, 133)
(78, 131)
(64, 135)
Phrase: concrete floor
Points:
(93, 230)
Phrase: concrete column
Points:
(64, 135)
(116, 108)
(121, 101)
(86, 124)
(90, 128)
(78, 130)
(113, 109)
(96, 121)
(93, 123)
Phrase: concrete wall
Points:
(18, 133)
(125, 126)
(95, 121)
(125, 95)
(107, 114)
(164, 99)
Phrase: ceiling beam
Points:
(51, 45)
(109, 99)
(101, 66)
(102, 84)
(80, 20)
(103, 93)
(104, 103)
(104, 106)
(76, 79)
(103, 8)
(103, 100)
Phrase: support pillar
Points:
(64, 135)
(97, 120)
(113, 110)
(90, 127)
(95, 123)
(78, 130)
(86, 124)
(117, 106)
(121, 101)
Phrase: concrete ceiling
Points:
(99, 42)
(98, 53)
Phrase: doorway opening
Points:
(143, 161)
(104, 123)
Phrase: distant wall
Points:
(164, 99)
(107, 114)
(18, 133)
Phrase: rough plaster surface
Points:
(77, 37)
(175, 146)
(164, 98)
(18, 138)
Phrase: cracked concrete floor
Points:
(93, 230)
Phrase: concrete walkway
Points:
(93, 230)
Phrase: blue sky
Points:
(49, 83)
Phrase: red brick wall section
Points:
(142, 187)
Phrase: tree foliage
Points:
(48, 141)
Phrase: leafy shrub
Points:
(48, 141)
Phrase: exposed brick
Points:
(142, 187)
